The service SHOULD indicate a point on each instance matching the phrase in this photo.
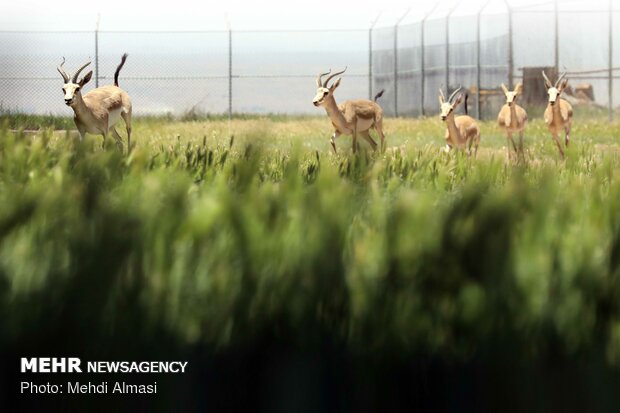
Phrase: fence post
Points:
(479, 61)
(448, 46)
(396, 61)
(422, 65)
(97, 51)
(370, 63)
(372, 26)
(422, 58)
(511, 61)
(610, 86)
(396, 69)
(478, 66)
(230, 96)
(447, 68)
(557, 37)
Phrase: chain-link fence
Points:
(480, 48)
(203, 72)
(228, 71)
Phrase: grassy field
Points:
(200, 240)
(281, 132)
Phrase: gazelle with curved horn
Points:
(559, 113)
(97, 111)
(352, 116)
(462, 131)
(512, 117)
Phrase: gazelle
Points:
(512, 117)
(100, 109)
(461, 130)
(559, 113)
(351, 116)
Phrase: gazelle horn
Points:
(333, 76)
(75, 76)
(64, 74)
(318, 79)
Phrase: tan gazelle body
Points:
(512, 118)
(461, 131)
(559, 113)
(97, 111)
(351, 117)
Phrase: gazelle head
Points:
(448, 106)
(555, 90)
(322, 90)
(512, 96)
(72, 87)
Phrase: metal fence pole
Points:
(478, 66)
(447, 68)
(372, 26)
(557, 37)
(422, 58)
(230, 95)
(422, 64)
(511, 61)
(370, 63)
(97, 51)
(610, 86)
(396, 69)
(396, 61)
(479, 61)
(448, 46)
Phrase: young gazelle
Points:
(559, 113)
(462, 131)
(512, 117)
(352, 116)
(100, 109)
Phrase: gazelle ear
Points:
(458, 100)
(442, 98)
(86, 78)
(335, 85)
(519, 88)
(563, 84)
(548, 83)
(505, 89)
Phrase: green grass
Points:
(215, 236)
(34, 122)
(218, 241)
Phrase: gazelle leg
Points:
(511, 142)
(105, 137)
(521, 142)
(127, 118)
(514, 146)
(354, 134)
(369, 139)
(105, 130)
(332, 140)
(476, 141)
(119, 140)
(82, 133)
(379, 129)
(567, 137)
(557, 142)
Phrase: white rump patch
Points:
(113, 117)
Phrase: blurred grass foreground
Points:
(295, 280)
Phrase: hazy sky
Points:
(243, 14)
